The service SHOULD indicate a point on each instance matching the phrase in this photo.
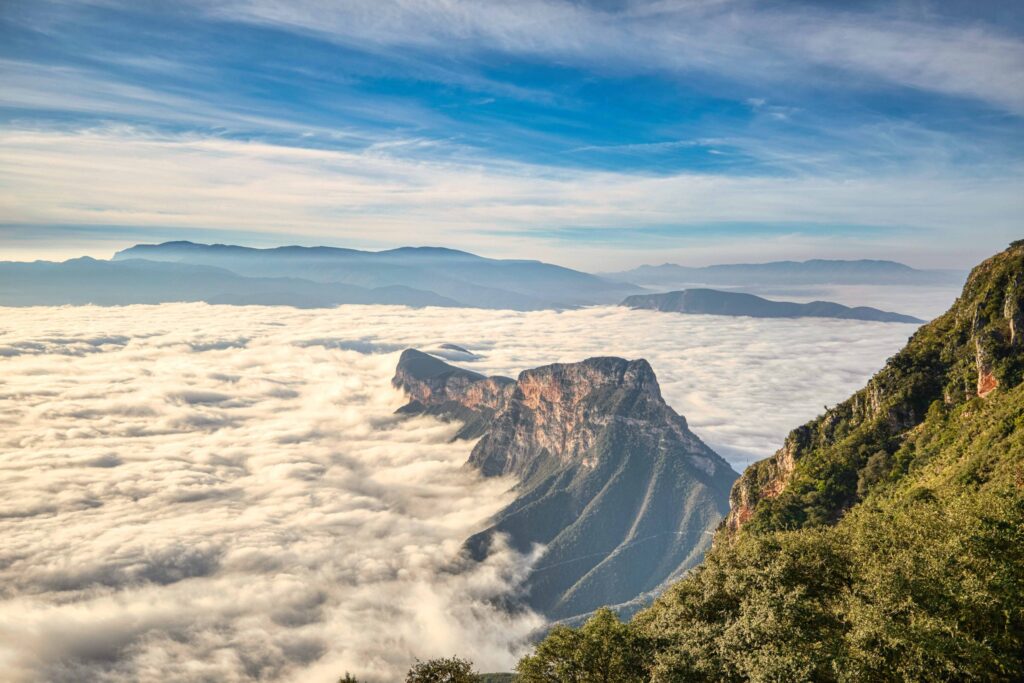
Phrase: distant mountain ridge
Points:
(715, 302)
(811, 272)
(135, 281)
(311, 277)
(459, 276)
(611, 480)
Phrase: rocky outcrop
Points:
(764, 480)
(621, 495)
(968, 353)
(450, 393)
(1013, 309)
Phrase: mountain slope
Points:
(611, 481)
(135, 281)
(813, 272)
(469, 279)
(966, 353)
(884, 541)
(714, 302)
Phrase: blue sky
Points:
(595, 134)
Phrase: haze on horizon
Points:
(598, 135)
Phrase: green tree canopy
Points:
(443, 670)
(604, 650)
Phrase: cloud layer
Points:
(131, 178)
(225, 493)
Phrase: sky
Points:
(599, 135)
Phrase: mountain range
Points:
(312, 277)
(714, 302)
(611, 483)
(812, 272)
(116, 283)
(459, 276)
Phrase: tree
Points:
(444, 670)
(604, 650)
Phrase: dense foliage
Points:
(884, 543)
(604, 649)
(445, 670)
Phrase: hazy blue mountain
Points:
(714, 302)
(612, 482)
(135, 281)
(813, 272)
(469, 279)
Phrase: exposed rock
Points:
(612, 483)
(451, 393)
(1013, 308)
(765, 480)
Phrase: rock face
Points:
(437, 388)
(968, 353)
(621, 494)
(714, 302)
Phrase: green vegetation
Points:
(445, 670)
(885, 542)
(604, 649)
(869, 440)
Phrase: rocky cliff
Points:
(450, 393)
(829, 464)
(612, 483)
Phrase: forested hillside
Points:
(884, 541)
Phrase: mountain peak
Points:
(592, 374)
(610, 479)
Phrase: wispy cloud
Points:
(743, 39)
(122, 176)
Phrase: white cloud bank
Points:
(217, 494)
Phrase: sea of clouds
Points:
(207, 493)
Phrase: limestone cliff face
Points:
(969, 352)
(763, 480)
(612, 483)
(558, 412)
